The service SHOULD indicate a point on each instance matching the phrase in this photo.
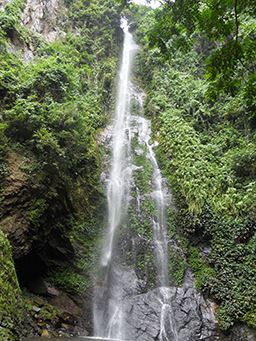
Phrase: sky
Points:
(153, 4)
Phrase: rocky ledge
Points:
(176, 314)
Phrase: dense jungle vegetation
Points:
(197, 66)
(52, 109)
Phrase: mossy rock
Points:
(11, 306)
(250, 319)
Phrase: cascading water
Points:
(160, 195)
(111, 289)
(108, 314)
(120, 175)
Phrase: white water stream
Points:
(108, 310)
(152, 3)
(120, 174)
(110, 289)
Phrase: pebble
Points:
(45, 333)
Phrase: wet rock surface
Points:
(172, 314)
(149, 317)
(193, 315)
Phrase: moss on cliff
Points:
(12, 311)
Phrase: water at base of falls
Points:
(111, 289)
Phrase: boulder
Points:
(170, 314)
(70, 310)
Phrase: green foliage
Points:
(41, 311)
(177, 266)
(10, 68)
(37, 212)
(203, 272)
(48, 313)
(250, 318)
(69, 280)
(6, 334)
(190, 156)
(10, 20)
(55, 105)
(145, 267)
(52, 109)
(144, 172)
(51, 77)
(140, 255)
(197, 66)
(224, 26)
(140, 222)
(84, 236)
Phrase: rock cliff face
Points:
(173, 313)
(193, 316)
(20, 210)
(17, 194)
(35, 248)
(44, 17)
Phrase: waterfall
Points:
(108, 315)
(120, 175)
(159, 193)
(111, 289)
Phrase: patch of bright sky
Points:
(152, 3)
